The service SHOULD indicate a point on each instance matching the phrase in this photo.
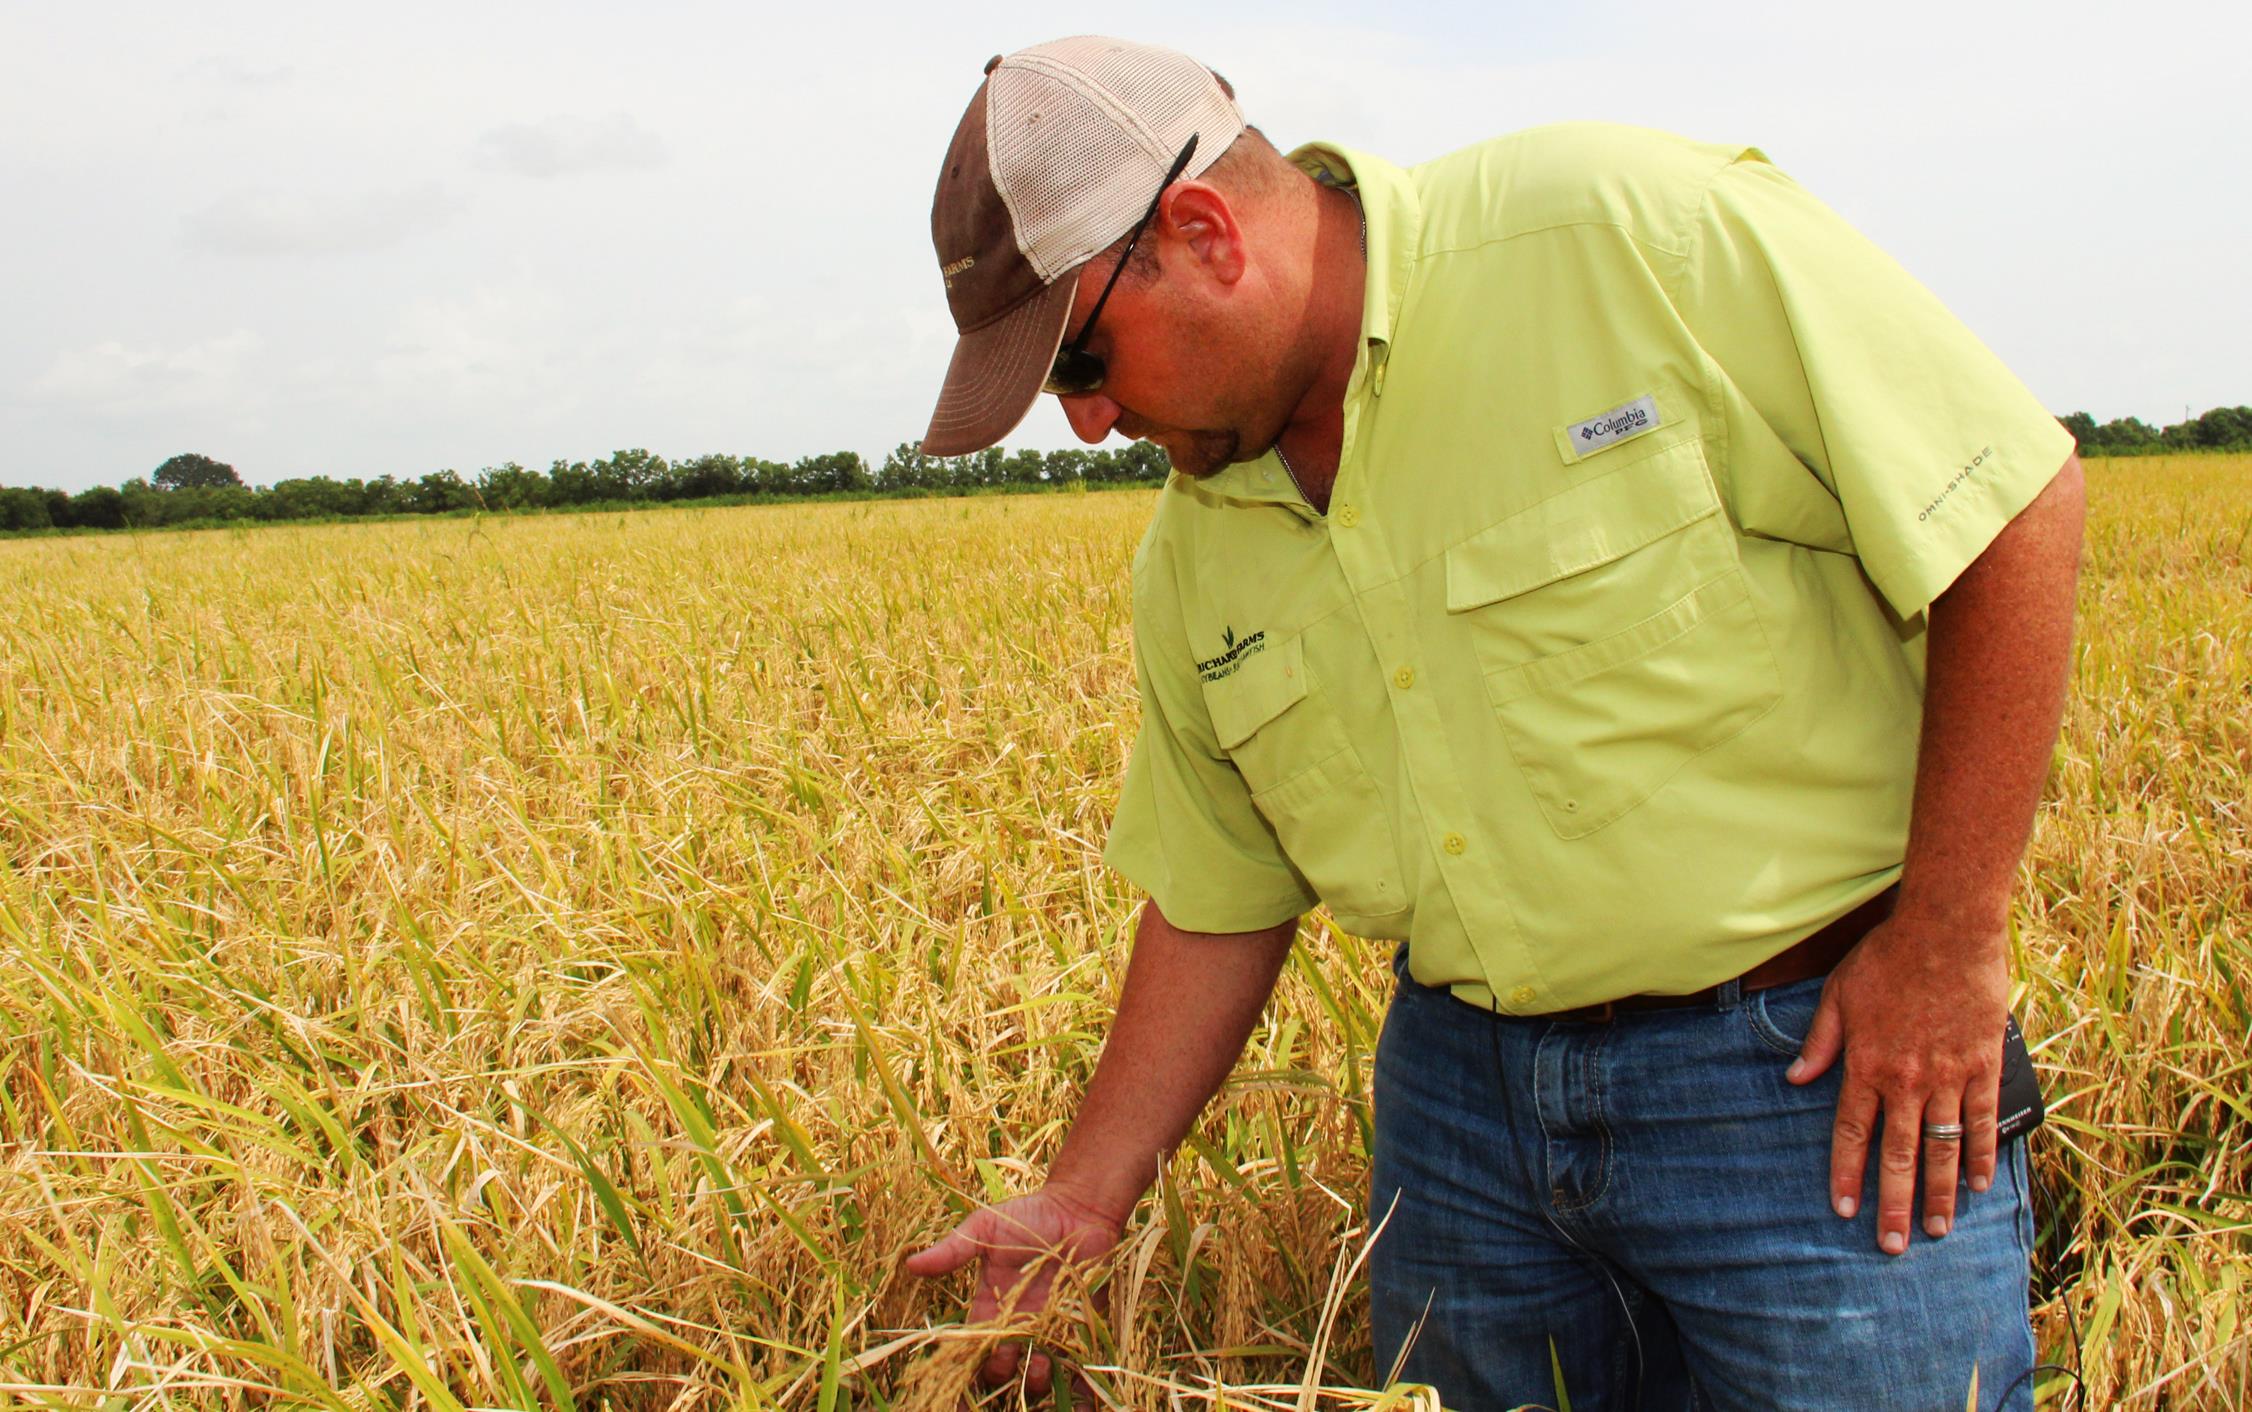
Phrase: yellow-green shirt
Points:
(1603, 672)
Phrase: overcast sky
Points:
(309, 239)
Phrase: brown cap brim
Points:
(996, 373)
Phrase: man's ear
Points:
(1197, 222)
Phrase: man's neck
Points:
(1313, 438)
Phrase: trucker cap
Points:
(1058, 156)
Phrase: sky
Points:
(312, 239)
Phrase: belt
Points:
(1818, 955)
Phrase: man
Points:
(1596, 567)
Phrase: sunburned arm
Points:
(1188, 1005)
(2001, 641)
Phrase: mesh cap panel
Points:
(1082, 130)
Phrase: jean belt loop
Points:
(1731, 994)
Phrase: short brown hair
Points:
(1250, 168)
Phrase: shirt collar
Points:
(1394, 217)
(1395, 223)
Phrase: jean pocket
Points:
(1781, 1015)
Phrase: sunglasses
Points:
(1077, 372)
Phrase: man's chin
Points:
(1200, 454)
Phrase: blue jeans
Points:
(1646, 1201)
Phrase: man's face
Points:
(1175, 371)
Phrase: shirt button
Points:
(1349, 516)
(1405, 676)
(1523, 995)
(1454, 843)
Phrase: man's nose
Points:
(1090, 416)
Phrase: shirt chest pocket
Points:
(1616, 634)
(1308, 782)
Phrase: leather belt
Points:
(1817, 955)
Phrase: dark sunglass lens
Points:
(1076, 373)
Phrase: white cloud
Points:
(234, 71)
(317, 223)
(485, 348)
(567, 144)
(112, 378)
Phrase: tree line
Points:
(2222, 429)
(192, 488)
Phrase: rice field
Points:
(570, 961)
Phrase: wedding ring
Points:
(1944, 1132)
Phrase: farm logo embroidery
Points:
(1236, 649)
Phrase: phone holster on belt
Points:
(2022, 1110)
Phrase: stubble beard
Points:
(1198, 454)
(1193, 453)
(1205, 453)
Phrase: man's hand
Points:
(1020, 1245)
(1917, 1010)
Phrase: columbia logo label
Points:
(1619, 424)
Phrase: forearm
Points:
(1997, 666)
(1188, 1005)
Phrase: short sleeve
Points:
(1930, 445)
(1186, 830)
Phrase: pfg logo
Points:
(1632, 419)
(1621, 423)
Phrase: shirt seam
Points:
(1798, 352)
(1587, 223)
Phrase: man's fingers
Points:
(1001, 1365)
(1942, 1163)
(1849, 1144)
(1982, 1112)
(1896, 1171)
(1005, 1287)
(1825, 1040)
(949, 1255)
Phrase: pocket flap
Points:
(1260, 685)
(1575, 530)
